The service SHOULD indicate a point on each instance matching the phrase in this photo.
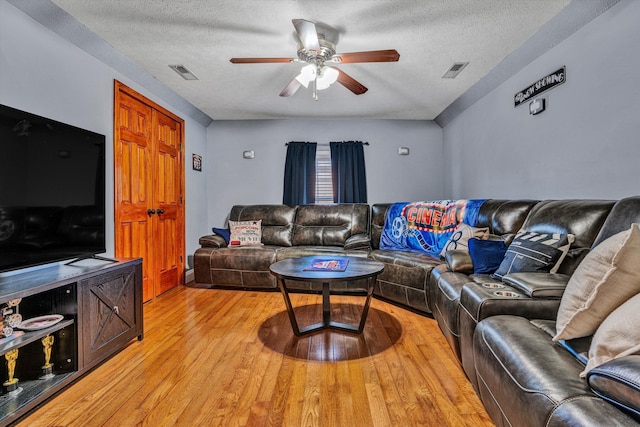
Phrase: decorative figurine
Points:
(11, 384)
(47, 368)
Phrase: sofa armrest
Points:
(618, 382)
(459, 261)
(212, 241)
(538, 285)
(358, 241)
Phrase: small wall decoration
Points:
(544, 84)
(197, 162)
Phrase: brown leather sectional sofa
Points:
(501, 331)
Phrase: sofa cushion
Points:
(329, 225)
(617, 336)
(618, 382)
(580, 217)
(486, 255)
(531, 251)
(245, 233)
(277, 221)
(460, 238)
(608, 276)
(523, 377)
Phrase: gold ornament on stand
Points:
(47, 368)
(11, 384)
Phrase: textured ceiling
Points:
(203, 35)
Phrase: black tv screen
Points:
(52, 190)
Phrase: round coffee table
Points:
(301, 269)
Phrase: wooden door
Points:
(149, 183)
(167, 200)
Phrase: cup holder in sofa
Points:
(493, 285)
(507, 294)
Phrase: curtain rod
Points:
(326, 143)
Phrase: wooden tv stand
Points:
(102, 307)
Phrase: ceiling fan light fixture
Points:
(327, 77)
(307, 75)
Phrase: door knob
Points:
(160, 211)
(151, 212)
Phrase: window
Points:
(324, 186)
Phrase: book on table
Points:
(327, 264)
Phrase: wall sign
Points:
(547, 82)
(197, 162)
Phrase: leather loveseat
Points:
(287, 232)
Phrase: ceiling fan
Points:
(319, 54)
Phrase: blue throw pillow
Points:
(486, 255)
(223, 232)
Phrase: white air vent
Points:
(184, 72)
(454, 70)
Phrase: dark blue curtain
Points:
(348, 172)
(300, 174)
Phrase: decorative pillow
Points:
(486, 255)
(617, 336)
(245, 233)
(531, 251)
(608, 276)
(460, 237)
(223, 232)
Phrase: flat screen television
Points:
(52, 191)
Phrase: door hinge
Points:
(180, 259)
(180, 147)
(180, 199)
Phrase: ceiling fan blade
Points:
(291, 88)
(260, 60)
(307, 33)
(389, 55)
(350, 83)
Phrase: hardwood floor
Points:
(225, 357)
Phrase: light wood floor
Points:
(224, 357)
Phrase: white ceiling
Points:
(203, 35)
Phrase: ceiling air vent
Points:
(184, 72)
(454, 70)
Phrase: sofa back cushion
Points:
(329, 225)
(582, 218)
(503, 216)
(277, 221)
(624, 213)
(378, 215)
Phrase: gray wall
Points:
(585, 145)
(48, 76)
(390, 177)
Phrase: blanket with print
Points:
(426, 226)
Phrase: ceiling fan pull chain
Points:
(315, 88)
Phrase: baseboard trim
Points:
(189, 276)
